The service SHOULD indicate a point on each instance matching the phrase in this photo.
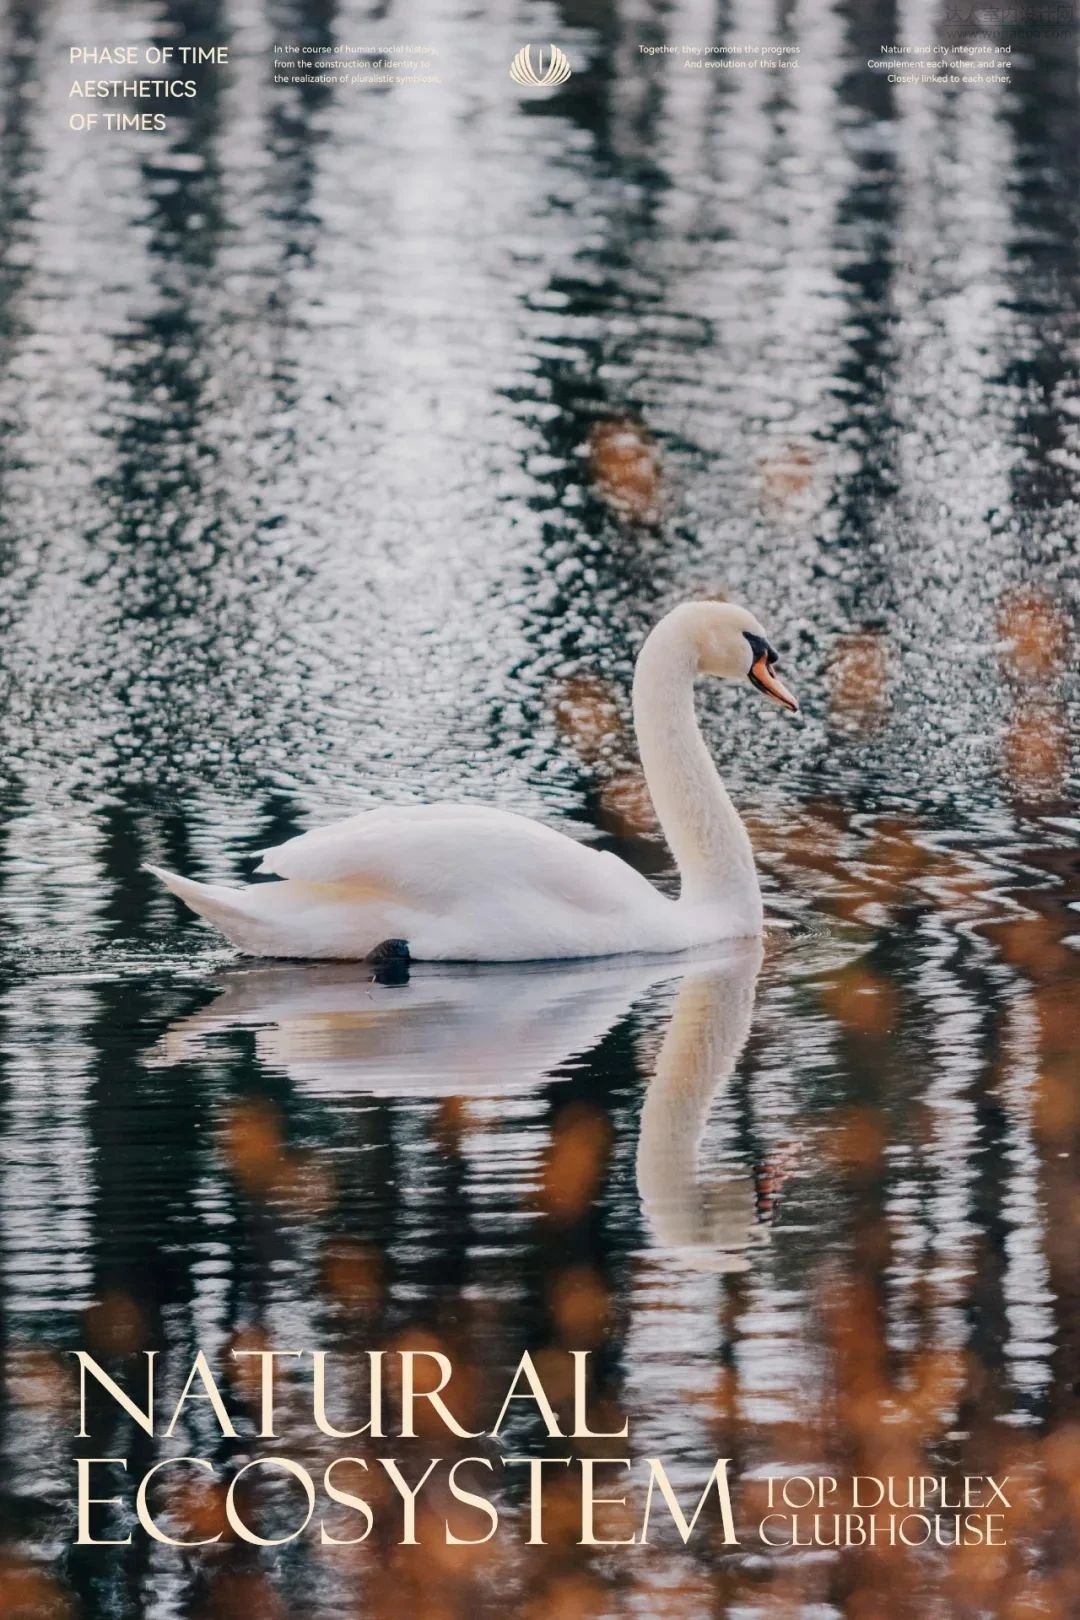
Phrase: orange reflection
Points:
(866, 1003)
(568, 1597)
(1035, 749)
(787, 476)
(857, 675)
(576, 1162)
(352, 1274)
(1035, 634)
(1034, 649)
(587, 713)
(626, 807)
(581, 1307)
(857, 1139)
(625, 469)
(235, 1593)
(254, 1148)
(115, 1326)
(29, 1594)
(252, 1143)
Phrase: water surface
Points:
(351, 444)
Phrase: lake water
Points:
(352, 441)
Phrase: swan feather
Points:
(427, 855)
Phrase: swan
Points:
(458, 882)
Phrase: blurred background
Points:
(352, 440)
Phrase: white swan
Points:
(465, 883)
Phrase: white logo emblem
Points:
(522, 71)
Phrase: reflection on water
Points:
(461, 1032)
(350, 445)
(709, 1221)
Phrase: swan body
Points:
(469, 883)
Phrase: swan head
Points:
(731, 642)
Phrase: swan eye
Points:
(762, 649)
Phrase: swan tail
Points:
(229, 910)
(291, 919)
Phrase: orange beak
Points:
(766, 680)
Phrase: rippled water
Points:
(351, 443)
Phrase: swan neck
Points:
(703, 829)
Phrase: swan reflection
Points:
(711, 1220)
(487, 1031)
(458, 1030)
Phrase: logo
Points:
(539, 77)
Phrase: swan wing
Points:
(428, 856)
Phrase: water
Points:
(351, 444)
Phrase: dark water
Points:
(351, 443)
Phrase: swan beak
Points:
(768, 681)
